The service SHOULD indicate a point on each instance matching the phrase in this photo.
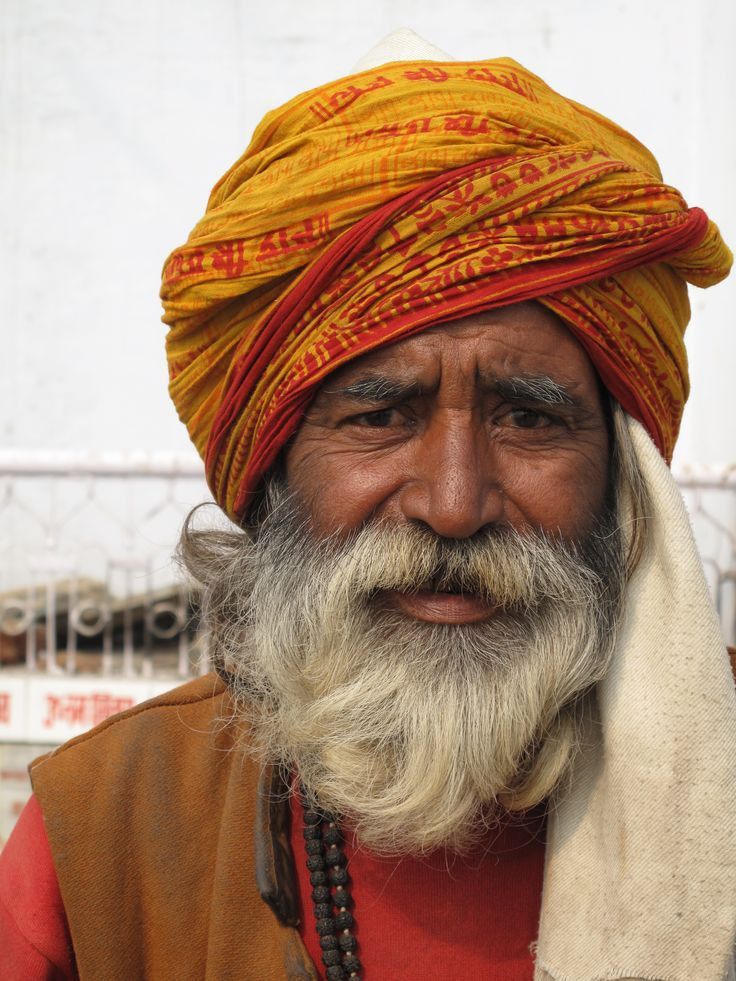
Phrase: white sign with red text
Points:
(50, 710)
(12, 709)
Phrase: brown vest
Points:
(171, 849)
(156, 822)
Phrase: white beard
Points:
(417, 734)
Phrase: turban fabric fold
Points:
(373, 207)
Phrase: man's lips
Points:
(434, 607)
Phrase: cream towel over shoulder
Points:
(640, 877)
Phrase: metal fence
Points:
(87, 582)
(710, 496)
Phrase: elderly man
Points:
(472, 713)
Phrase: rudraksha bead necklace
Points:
(328, 875)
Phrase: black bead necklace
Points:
(326, 862)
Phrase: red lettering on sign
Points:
(83, 709)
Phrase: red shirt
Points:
(474, 917)
(34, 936)
(471, 917)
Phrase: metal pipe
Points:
(52, 463)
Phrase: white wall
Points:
(117, 118)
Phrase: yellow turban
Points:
(401, 197)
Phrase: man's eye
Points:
(528, 419)
(379, 419)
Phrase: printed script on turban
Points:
(405, 196)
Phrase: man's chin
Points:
(438, 607)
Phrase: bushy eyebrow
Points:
(539, 389)
(377, 388)
(535, 389)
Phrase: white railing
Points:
(87, 582)
(93, 614)
(710, 495)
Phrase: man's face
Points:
(493, 420)
(418, 730)
(416, 618)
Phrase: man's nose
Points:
(453, 487)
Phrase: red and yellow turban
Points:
(373, 207)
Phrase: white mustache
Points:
(518, 572)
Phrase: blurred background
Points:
(115, 121)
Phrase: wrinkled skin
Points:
(493, 420)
